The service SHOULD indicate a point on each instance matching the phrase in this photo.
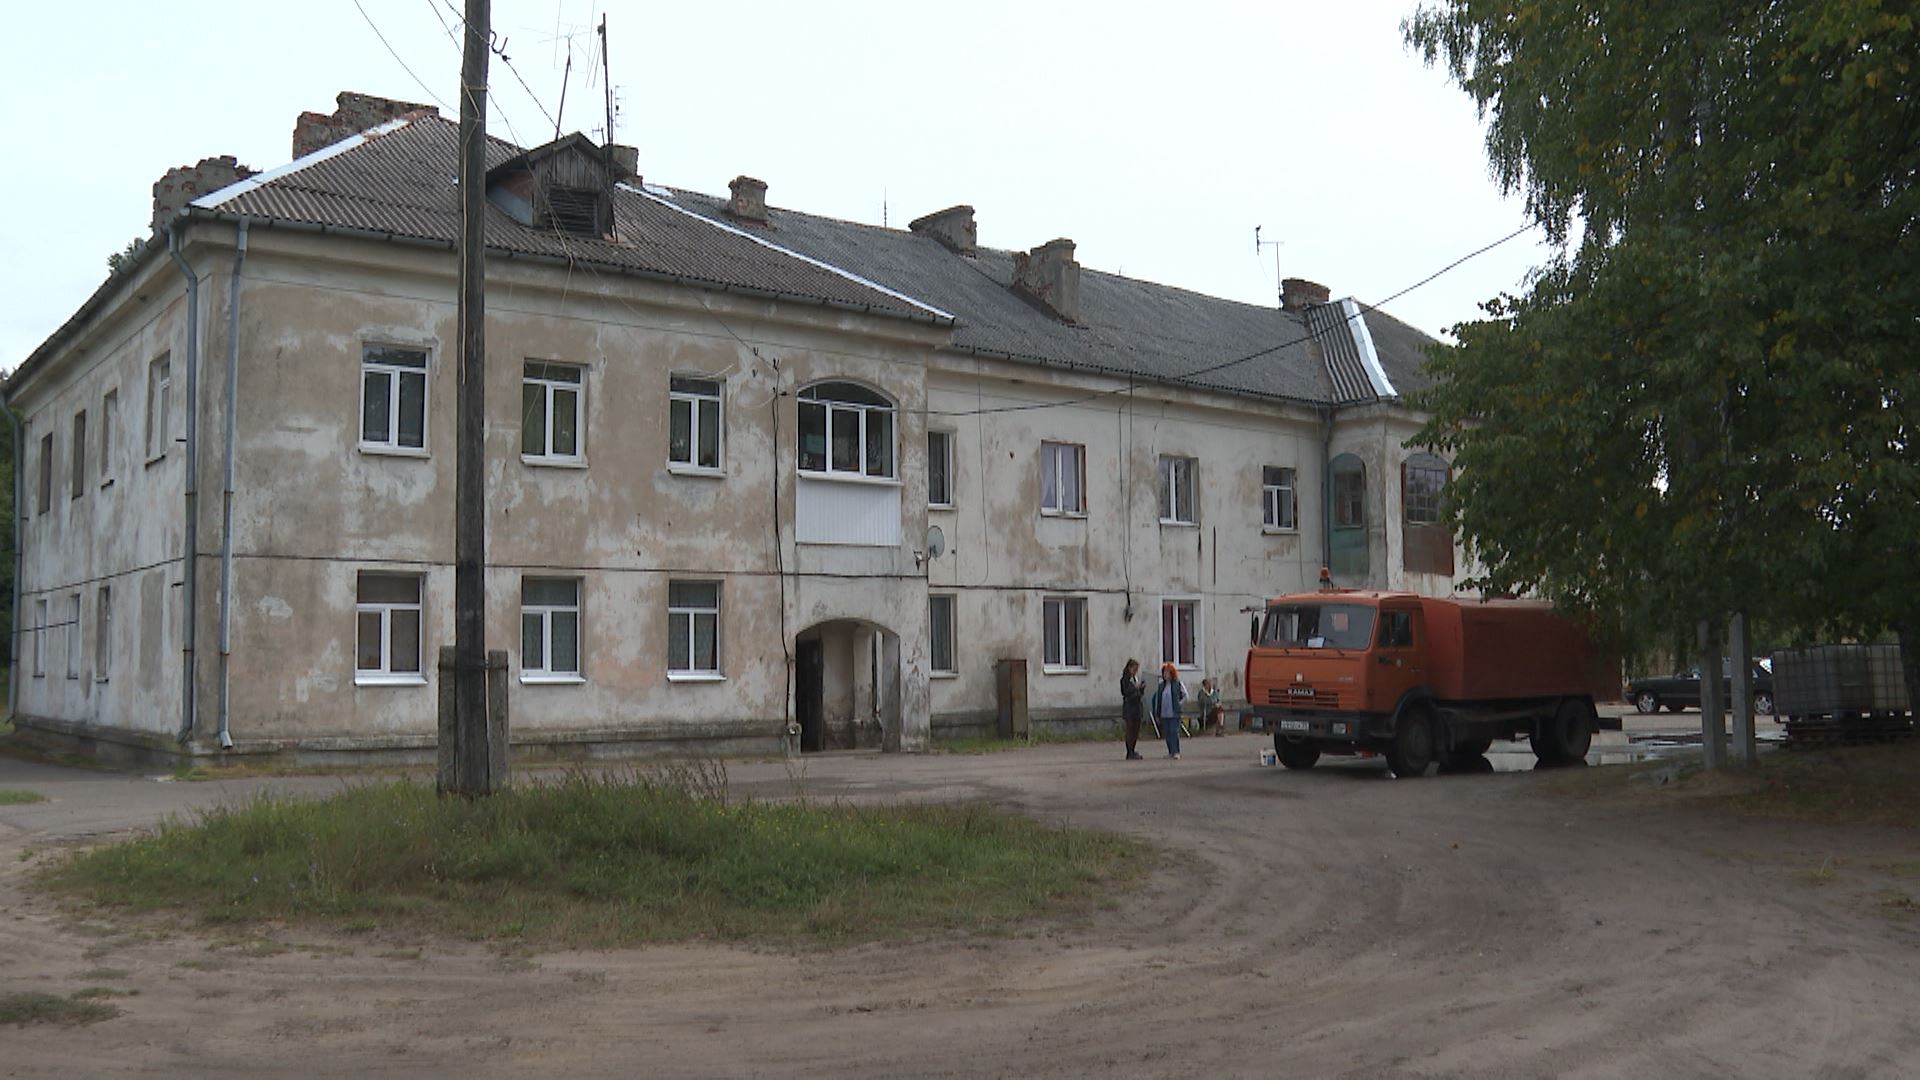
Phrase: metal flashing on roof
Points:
(213, 199)
(1370, 357)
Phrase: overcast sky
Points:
(1156, 136)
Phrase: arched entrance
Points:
(846, 686)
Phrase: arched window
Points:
(1347, 554)
(846, 430)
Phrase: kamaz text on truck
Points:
(1419, 679)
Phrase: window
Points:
(550, 412)
(73, 637)
(78, 483)
(1065, 648)
(1178, 637)
(940, 640)
(387, 618)
(1350, 495)
(1063, 478)
(940, 468)
(846, 431)
(1177, 502)
(1425, 476)
(109, 417)
(549, 629)
(40, 637)
(393, 398)
(159, 383)
(694, 409)
(1396, 629)
(693, 628)
(1276, 498)
(103, 633)
(46, 473)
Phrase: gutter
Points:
(188, 578)
(226, 491)
(19, 534)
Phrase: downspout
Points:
(226, 491)
(1326, 488)
(192, 539)
(19, 534)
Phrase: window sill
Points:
(383, 450)
(375, 679)
(696, 676)
(73, 676)
(106, 483)
(945, 507)
(1046, 669)
(1071, 515)
(1278, 530)
(552, 680)
(156, 459)
(99, 678)
(1172, 523)
(681, 468)
(849, 478)
(553, 462)
(943, 674)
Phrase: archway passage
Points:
(846, 686)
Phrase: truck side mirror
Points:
(1253, 635)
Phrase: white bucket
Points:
(1267, 756)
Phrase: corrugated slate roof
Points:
(402, 182)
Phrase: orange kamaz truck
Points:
(1419, 679)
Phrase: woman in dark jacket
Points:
(1131, 691)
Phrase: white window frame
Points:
(1053, 455)
(935, 603)
(103, 634)
(159, 434)
(1058, 614)
(1278, 509)
(109, 415)
(1432, 465)
(385, 675)
(40, 637)
(394, 374)
(678, 395)
(548, 388)
(942, 455)
(1169, 650)
(73, 638)
(546, 672)
(693, 614)
(838, 411)
(1179, 476)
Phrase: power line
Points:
(396, 57)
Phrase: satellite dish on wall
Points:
(936, 542)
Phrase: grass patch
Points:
(16, 797)
(32, 1008)
(585, 860)
(995, 744)
(1856, 785)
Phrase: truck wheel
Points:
(1295, 753)
(1564, 738)
(1646, 702)
(1412, 748)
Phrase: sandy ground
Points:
(1336, 922)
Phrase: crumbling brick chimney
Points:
(357, 113)
(1050, 277)
(625, 161)
(1297, 294)
(749, 201)
(953, 227)
(182, 185)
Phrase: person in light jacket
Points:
(1167, 699)
(1131, 691)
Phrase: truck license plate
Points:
(1293, 725)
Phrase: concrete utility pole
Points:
(472, 753)
(1740, 655)
(1713, 704)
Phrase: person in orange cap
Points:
(1167, 699)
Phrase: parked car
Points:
(1682, 690)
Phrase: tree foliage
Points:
(1706, 403)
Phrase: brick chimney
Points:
(953, 227)
(357, 113)
(625, 161)
(182, 185)
(749, 201)
(1299, 293)
(1048, 276)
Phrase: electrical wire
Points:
(396, 57)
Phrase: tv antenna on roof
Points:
(1279, 287)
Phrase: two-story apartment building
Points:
(755, 477)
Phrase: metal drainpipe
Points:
(1326, 489)
(192, 539)
(19, 534)
(226, 493)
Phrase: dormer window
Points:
(575, 210)
(565, 187)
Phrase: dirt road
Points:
(1330, 923)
